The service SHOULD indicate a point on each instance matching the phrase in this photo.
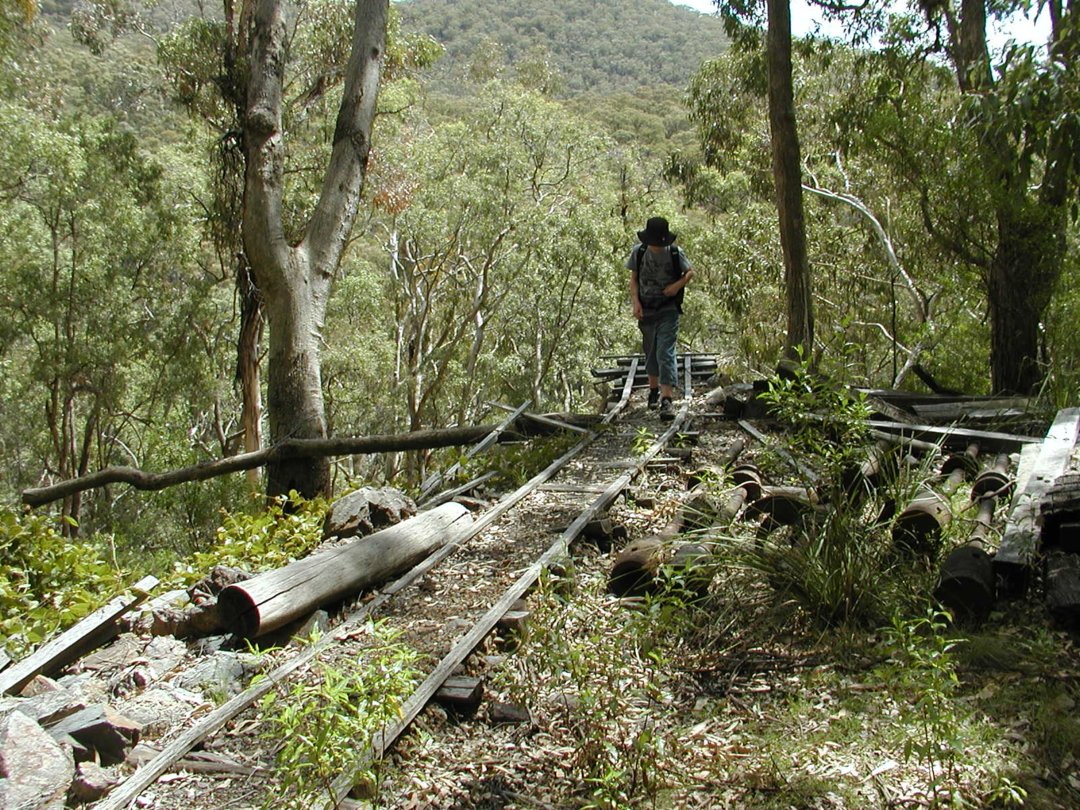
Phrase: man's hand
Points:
(674, 287)
(638, 311)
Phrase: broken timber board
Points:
(958, 438)
(87, 634)
(558, 424)
(1020, 542)
(450, 494)
(437, 478)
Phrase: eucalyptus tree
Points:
(262, 71)
(501, 229)
(1009, 147)
(742, 19)
(92, 292)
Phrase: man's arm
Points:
(635, 299)
(674, 287)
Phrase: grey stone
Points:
(101, 729)
(160, 709)
(39, 685)
(195, 621)
(35, 770)
(47, 708)
(219, 675)
(86, 687)
(363, 511)
(92, 782)
(124, 651)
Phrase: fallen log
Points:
(289, 449)
(275, 598)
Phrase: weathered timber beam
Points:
(1020, 542)
(292, 448)
(90, 632)
(273, 599)
(958, 438)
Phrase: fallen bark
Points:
(293, 448)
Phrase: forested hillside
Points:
(596, 46)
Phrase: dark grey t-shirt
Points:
(654, 275)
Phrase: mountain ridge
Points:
(596, 46)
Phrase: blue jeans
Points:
(658, 334)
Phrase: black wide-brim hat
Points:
(656, 233)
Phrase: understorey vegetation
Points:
(503, 183)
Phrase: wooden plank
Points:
(949, 411)
(955, 438)
(1020, 542)
(450, 494)
(88, 634)
(544, 420)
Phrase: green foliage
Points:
(47, 581)
(824, 419)
(832, 562)
(595, 45)
(922, 677)
(643, 440)
(325, 722)
(262, 539)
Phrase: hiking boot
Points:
(667, 410)
(654, 398)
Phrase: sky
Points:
(802, 22)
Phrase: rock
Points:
(163, 655)
(47, 708)
(508, 713)
(101, 729)
(220, 675)
(160, 709)
(38, 686)
(92, 782)
(85, 686)
(35, 770)
(193, 622)
(123, 652)
(219, 578)
(361, 512)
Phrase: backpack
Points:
(676, 269)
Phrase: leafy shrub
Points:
(325, 721)
(48, 581)
(260, 540)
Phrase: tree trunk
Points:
(294, 279)
(295, 396)
(788, 178)
(1022, 278)
(247, 364)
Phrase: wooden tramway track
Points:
(148, 773)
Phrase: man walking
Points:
(658, 273)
